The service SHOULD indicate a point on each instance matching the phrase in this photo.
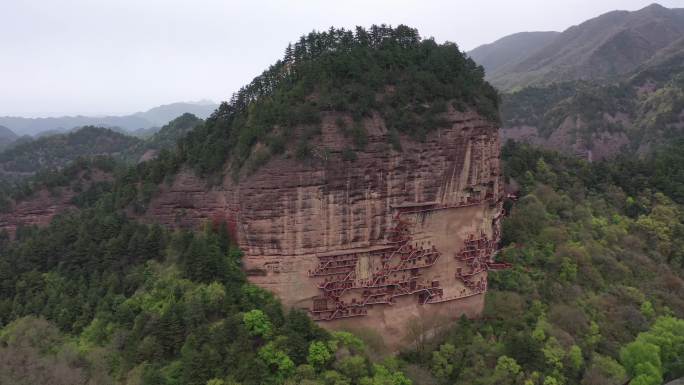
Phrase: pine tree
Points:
(289, 54)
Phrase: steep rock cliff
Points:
(389, 240)
(44, 203)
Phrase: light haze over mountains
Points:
(612, 84)
(606, 46)
(154, 117)
(115, 57)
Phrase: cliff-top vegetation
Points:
(392, 71)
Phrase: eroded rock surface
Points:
(397, 242)
(572, 137)
(40, 207)
(393, 241)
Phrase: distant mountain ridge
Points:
(165, 138)
(6, 133)
(510, 49)
(56, 151)
(594, 119)
(611, 85)
(155, 117)
(613, 44)
(7, 137)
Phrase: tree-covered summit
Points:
(56, 151)
(393, 71)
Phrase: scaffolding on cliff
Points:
(344, 293)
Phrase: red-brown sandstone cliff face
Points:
(36, 210)
(384, 242)
(395, 242)
(40, 207)
(568, 137)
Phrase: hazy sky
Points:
(63, 57)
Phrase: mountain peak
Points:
(653, 6)
(510, 48)
(612, 44)
(653, 10)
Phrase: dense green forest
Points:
(95, 298)
(127, 186)
(594, 297)
(168, 135)
(134, 182)
(392, 71)
(77, 176)
(648, 103)
(595, 292)
(56, 151)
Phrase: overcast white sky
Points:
(64, 57)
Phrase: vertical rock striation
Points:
(395, 241)
(42, 205)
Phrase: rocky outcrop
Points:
(389, 241)
(42, 205)
(574, 137)
(37, 210)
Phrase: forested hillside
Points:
(388, 71)
(40, 158)
(602, 48)
(56, 151)
(597, 281)
(139, 121)
(634, 114)
(7, 137)
(608, 85)
(595, 294)
(165, 138)
(170, 133)
(96, 298)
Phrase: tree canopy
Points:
(393, 71)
